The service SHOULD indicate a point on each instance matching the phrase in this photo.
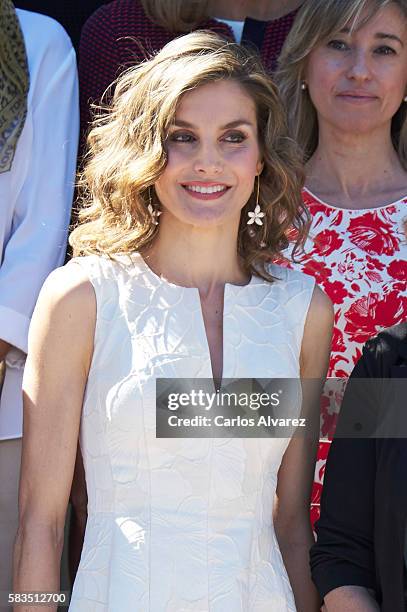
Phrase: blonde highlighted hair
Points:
(127, 152)
(176, 15)
(315, 23)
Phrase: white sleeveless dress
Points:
(181, 525)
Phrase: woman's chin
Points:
(205, 218)
(358, 124)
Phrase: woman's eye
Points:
(385, 50)
(181, 137)
(235, 138)
(339, 45)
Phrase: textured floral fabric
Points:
(181, 525)
(359, 258)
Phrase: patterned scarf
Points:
(14, 83)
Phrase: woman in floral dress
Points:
(343, 77)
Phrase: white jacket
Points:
(36, 196)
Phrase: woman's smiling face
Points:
(357, 79)
(213, 156)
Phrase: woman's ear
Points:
(259, 167)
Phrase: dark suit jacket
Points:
(362, 529)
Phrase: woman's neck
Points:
(263, 10)
(192, 257)
(356, 171)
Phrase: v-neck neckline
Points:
(229, 288)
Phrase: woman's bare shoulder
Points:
(317, 338)
(69, 286)
(321, 307)
(66, 310)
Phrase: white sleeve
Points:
(43, 200)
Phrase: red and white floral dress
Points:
(359, 258)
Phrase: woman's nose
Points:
(359, 65)
(208, 160)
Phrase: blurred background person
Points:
(71, 15)
(119, 34)
(39, 126)
(359, 562)
(343, 79)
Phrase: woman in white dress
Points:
(191, 185)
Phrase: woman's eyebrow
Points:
(380, 35)
(383, 35)
(231, 124)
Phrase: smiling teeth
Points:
(214, 189)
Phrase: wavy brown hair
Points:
(315, 23)
(127, 153)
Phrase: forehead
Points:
(387, 20)
(216, 103)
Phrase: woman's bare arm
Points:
(296, 474)
(59, 356)
(350, 599)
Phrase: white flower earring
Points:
(257, 215)
(153, 212)
(303, 86)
